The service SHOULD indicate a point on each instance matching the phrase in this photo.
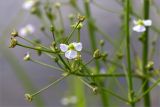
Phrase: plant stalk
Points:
(147, 102)
(92, 36)
(129, 73)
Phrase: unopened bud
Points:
(52, 29)
(79, 26)
(150, 65)
(120, 55)
(14, 33)
(28, 97)
(81, 18)
(102, 42)
(97, 54)
(104, 56)
(27, 57)
(13, 43)
(95, 90)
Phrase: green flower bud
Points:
(120, 55)
(97, 54)
(27, 57)
(104, 56)
(28, 97)
(52, 29)
(150, 65)
(80, 25)
(95, 90)
(102, 42)
(13, 43)
(14, 33)
(81, 18)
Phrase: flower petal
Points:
(71, 54)
(147, 22)
(23, 32)
(30, 28)
(63, 47)
(78, 46)
(139, 28)
(28, 4)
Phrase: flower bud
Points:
(120, 55)
(27, 57)
(102, 42)
(81, 18)
(104, 56)
(13, 43)
(14, 33)
(97, 54)
(150, 65)
(79, 26)
(28, 97)
(95, 90)
(52, 29)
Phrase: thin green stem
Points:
(87, 84)
(31, 42)
(63, 61)
(79, 35)
(120, 75)
(147, 91)
(25, 46)
(53, 83)
(147, 102)
(129, 73)
(113, 93)
(70, 35)
(47, 65)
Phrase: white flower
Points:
(28, 4)
(28, 29)
(71, 50)
(140, 25)
(69, 100)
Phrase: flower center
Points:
(71, 47)
(140, 22)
